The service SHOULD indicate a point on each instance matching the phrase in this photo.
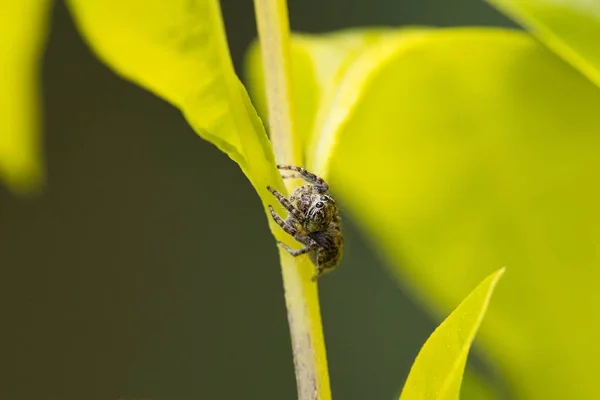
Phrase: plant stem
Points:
(301, 294)
(273, 32)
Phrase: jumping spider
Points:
(313, 220)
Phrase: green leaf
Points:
(477, 386)
(178, 50)
(469, 148)
(570, 28)
(437, 372)
(320, 64)
(24, 28)
(480, 150)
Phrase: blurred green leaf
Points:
(477, 386)
(437, 372)
(570, 28)
(178, 50)
(320, 63)
(469, 149)
(24, 27)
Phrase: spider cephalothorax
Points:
(313, 220)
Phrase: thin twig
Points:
(301, 294)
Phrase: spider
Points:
(313, 220)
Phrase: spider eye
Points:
(324, 198)
(319, 205)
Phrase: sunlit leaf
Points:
(470, 148)
(320, 63)
(437, 372)
(24, 28)
(571, 28)
(178, 50)
(482, 150)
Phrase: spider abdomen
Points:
(327, 256)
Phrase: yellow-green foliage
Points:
(438, 369)
(460, 151)
(23, 32)
(464, 150)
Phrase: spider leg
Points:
(293, 252)
(287, 205)
(293, 176)
(290, 230)
(311, 178)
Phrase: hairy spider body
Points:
(331, 245)
(313, 220)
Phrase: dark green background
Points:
(146, 270)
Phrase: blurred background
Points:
(146, 270)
